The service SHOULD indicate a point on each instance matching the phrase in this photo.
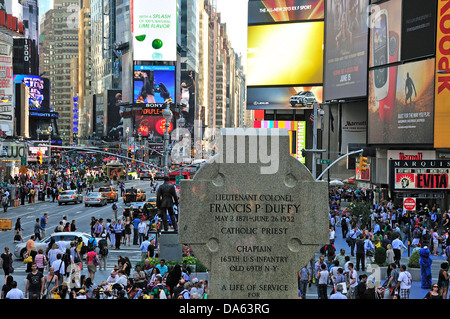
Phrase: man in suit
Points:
(166, 197)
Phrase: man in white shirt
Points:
(14, 293)
(397, 245)
(404, 282)
(142, 229)
(59, 266)
(352, 281)
(122, 280)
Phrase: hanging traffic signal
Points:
(362, 163)
(39, 157)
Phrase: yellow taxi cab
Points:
(111, 194)
(134, 195)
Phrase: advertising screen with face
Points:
(405, 113)
(346, 49)
(285, 54)
(154, 84)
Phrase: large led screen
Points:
(385, 25)
(297, 134)
(418, 28)
(154, 84)
(401, 104)
(346, 49)
(276, 98)
(147, 125)
(289, 54)
(154, 30)
(39, 91)
(273, 11)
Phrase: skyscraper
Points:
(58, 45)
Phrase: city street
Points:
(82, 215)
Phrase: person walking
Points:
(6, 260)
(166, 198)
(38, 229)
(44, 222)
(114, 209)
(118, 229)
(18, 230)
(404, 282)
(103, 252)
(91, 262)
(50, 281)
(397, 245)
(35, 282)
(443, 280)
(323, 277)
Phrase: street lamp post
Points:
(50, 130)
(167, 115)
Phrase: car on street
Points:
(134, 195)
(20, 249)
(111, 193)
(158, 176)
(304, 98)
(146, 174)
(95, 199)
(70, 196)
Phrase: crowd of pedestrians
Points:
(346, 273)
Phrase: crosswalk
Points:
(132, 252)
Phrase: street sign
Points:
(325, 161)
(409, 203)
(178, 178)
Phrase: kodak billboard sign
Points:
(442, 84)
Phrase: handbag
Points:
(96, 262)
(27, 260)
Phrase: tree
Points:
(360, 211)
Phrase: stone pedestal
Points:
(254, 216)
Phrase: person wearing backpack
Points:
(114, 209)
(103, 252)
(159, 291)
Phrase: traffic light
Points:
(39, 157)
(362, 163)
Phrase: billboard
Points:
(288, 97)
(347, 36)
(401, 106)
(418, 27)
(266, 12)
(285, 54)
(419, 174)
(442, 84)
(386, 33)
(154, 84)
(297, 134)
(6, 85)
(154, 30)
(114, 123)
(151, 124)
(39, 91)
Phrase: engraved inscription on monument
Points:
(254, 231)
